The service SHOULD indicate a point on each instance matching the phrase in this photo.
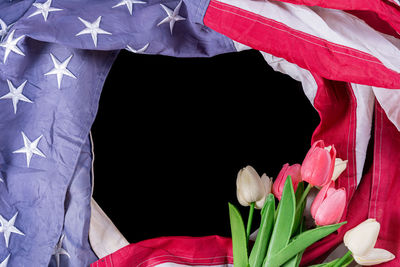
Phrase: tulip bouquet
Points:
(282, 236)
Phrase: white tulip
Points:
(267, 182)
(374, 256)
(361, 242)
(340, 166)
(362, 238)
(249, 186)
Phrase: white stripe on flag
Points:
(335, 26)
(104, 236)
(365, 109)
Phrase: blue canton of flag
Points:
(54, 58)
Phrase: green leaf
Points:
(259, 250)
(348, 261)
(332, 263)
(326, 264)
(300, 243)
(295, 261)
(292, 262)
(284, 223)
(265, 204)
(342, 261)
(299, 191)
(322, 265)
(239, 242)
(298, 218)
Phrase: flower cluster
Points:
(282, 236)
(320, 168)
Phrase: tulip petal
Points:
(249, 185)
(374, 256)
(317, 144)
(279, 183)
(267, 182)
(319, 198)
(316, 168)
(251, 171)
(241, 199)
(362, 238)
(340, 166)
(332, 154)
(294, 171)
(330, 192)
(260, 204)
(331, 209)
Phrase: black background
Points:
(171, 134)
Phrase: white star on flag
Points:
(58, 250)
(60, 69)
(4, 29)
(30, 148)
(5, 261)
(128, 4)
(138, 51)
(93, 29)
(172, 16)
(11, 45)
(7, 227)
(44, 9)
(16, 95)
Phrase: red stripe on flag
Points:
(191, 251)
(385, 188)
(327, 59)
(336, 105)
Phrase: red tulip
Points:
(329, 204)
(293, 171)
(318, 165)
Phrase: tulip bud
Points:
(318, 165)
(340, 166)
(329, 204)
(361, 242)
(267, 182)
(295, 175)
(249, 187)
(362, 238)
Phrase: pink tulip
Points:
(329, 204)
(293, 171)
(318, 165)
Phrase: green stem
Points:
(344, 259)
(250, 220)
(303, 197)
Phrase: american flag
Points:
(55, 56)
